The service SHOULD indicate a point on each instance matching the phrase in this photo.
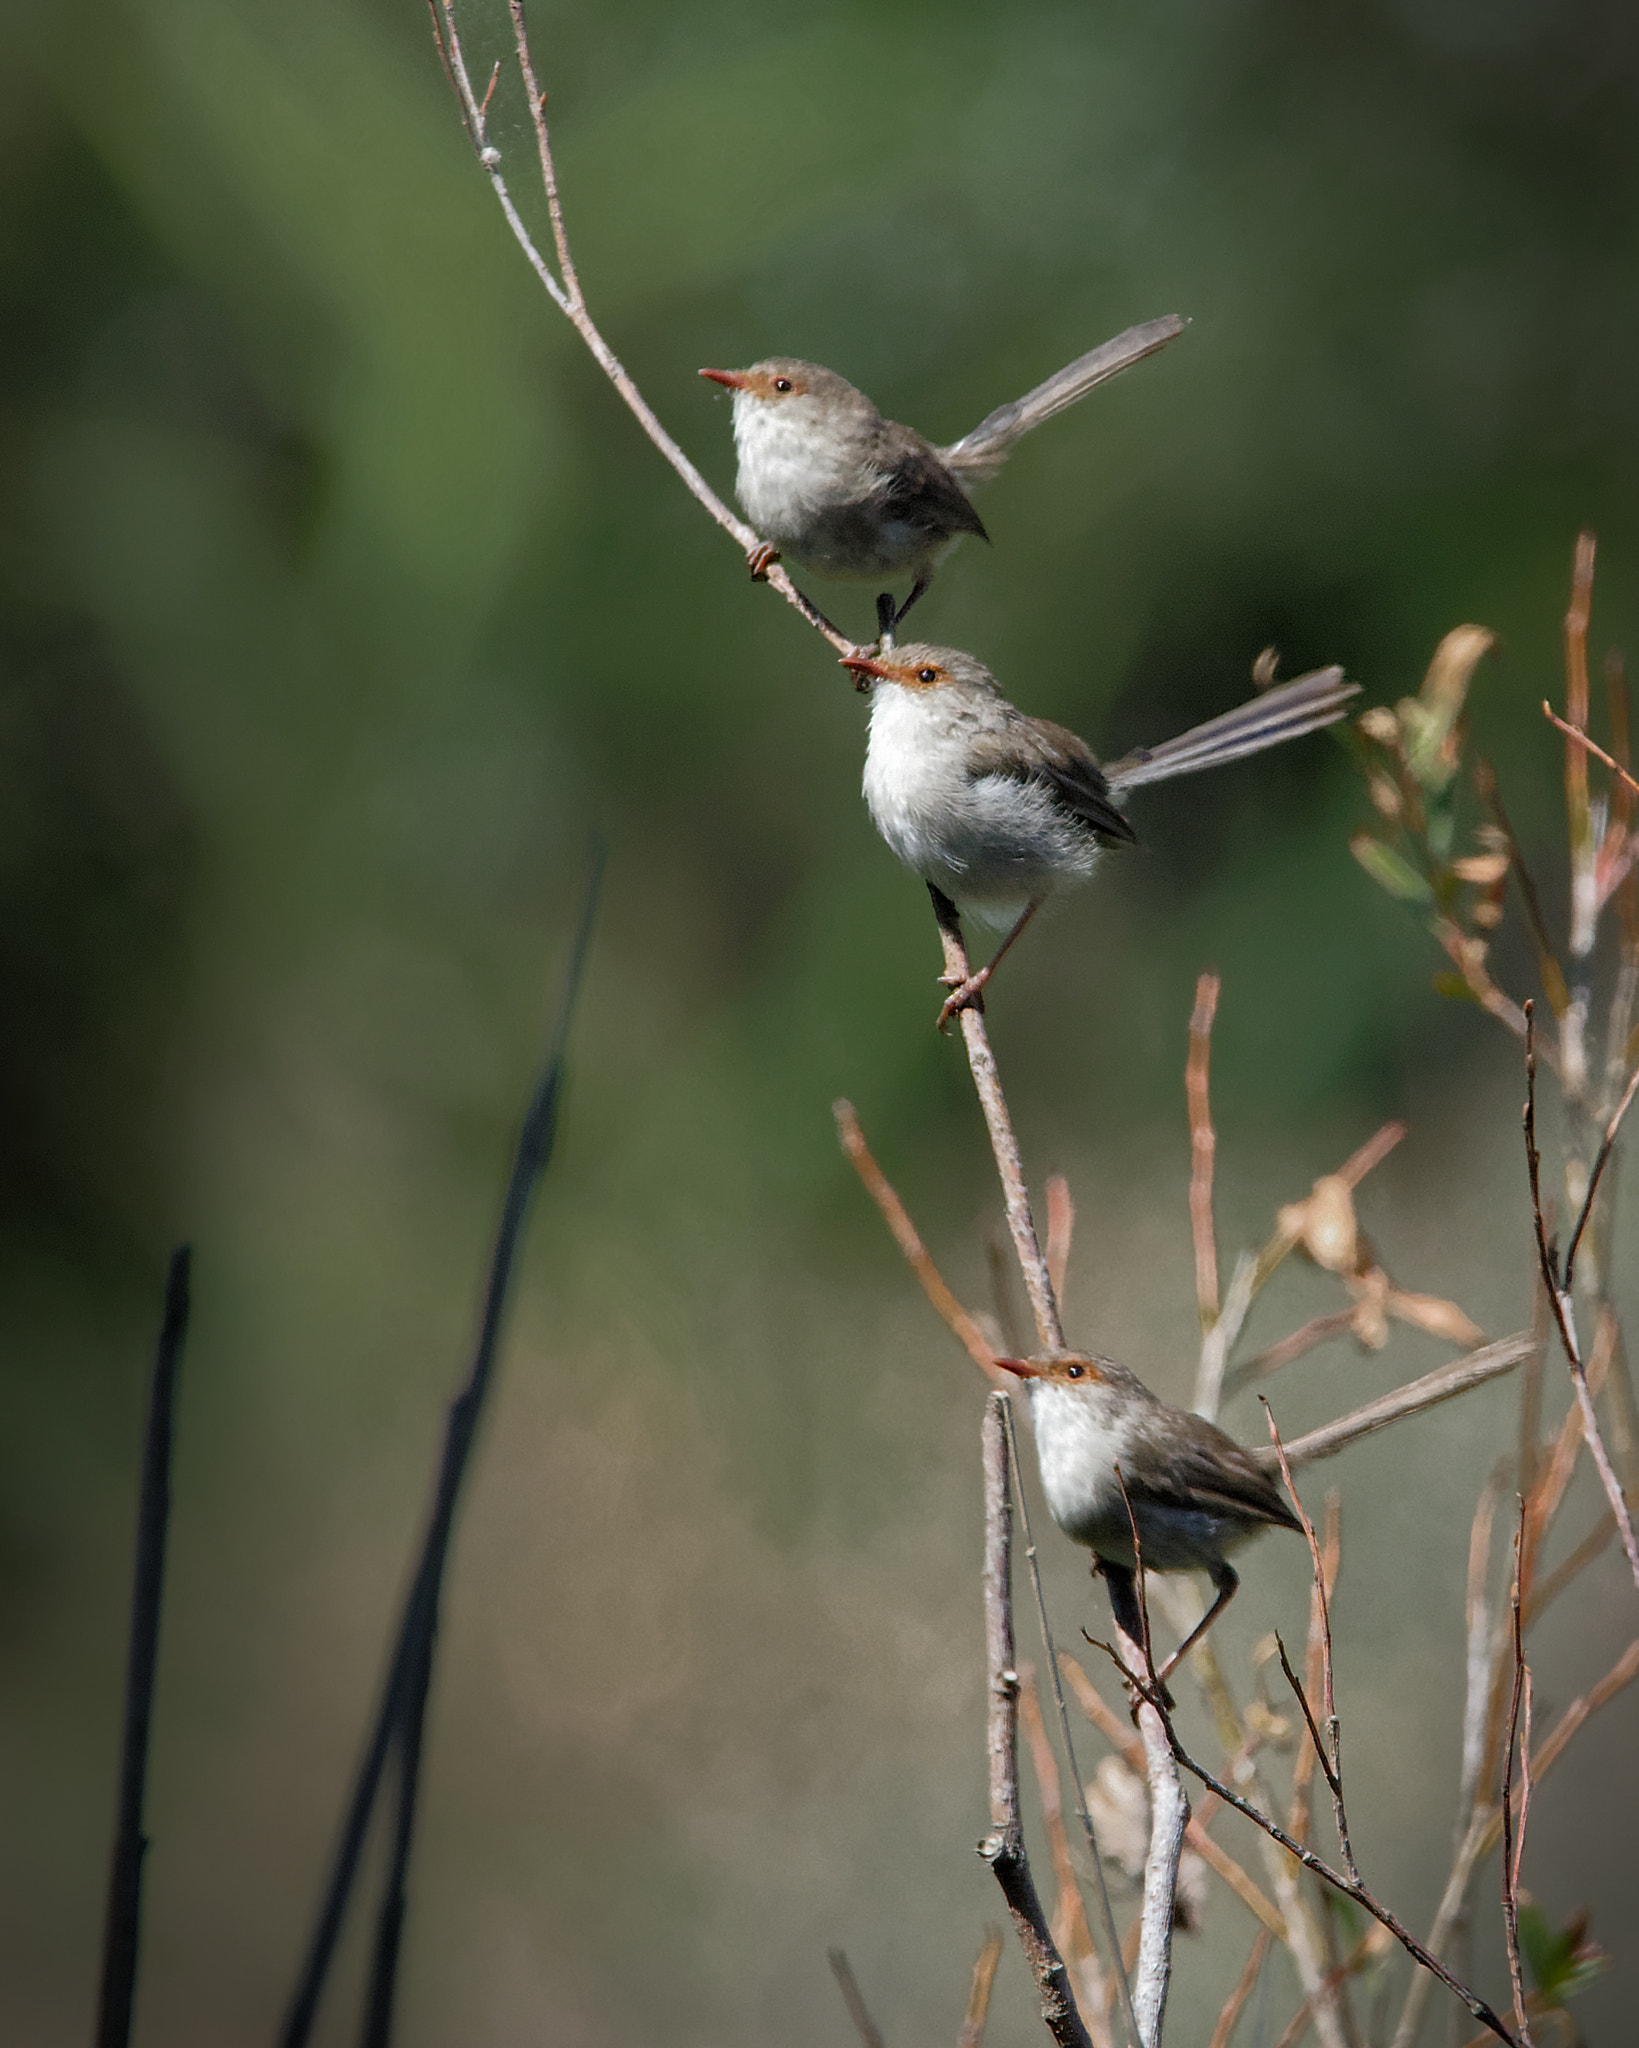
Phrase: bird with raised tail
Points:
(1112, 1455)
(838, 489)
(998, 811)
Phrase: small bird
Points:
(997, 811)
(842, 491)
(1193, 1492)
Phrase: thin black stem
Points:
(409, 1670)
(379, 2000)
(120, 1937)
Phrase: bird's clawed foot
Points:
(760, 559)
(964, 995)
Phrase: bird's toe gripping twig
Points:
(760, 559)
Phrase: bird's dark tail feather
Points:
(1284, 713)
(980, 454)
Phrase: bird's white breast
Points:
(791, 470)
(1079, 1443)
(993, 843)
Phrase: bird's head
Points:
(785, 384)
(1072, 1370)
(916, 666)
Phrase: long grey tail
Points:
(1284, 713)
(980, 454)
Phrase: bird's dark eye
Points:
(927, 675)
(1072, 1372)
(782, 383)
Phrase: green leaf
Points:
(1563, 1961)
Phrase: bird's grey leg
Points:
(886, 619)
(967, 992)
(917, 589)
(1226, 1581)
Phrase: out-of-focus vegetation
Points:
(339, 596)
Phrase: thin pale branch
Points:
(1443, 1384)
(917, 1255)
(1003, 1144)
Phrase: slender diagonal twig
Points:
(1575, 732)
(403, 1693)
(978, 1997)
(853, 1997)
(1330, 1752)
(1565, 1316)
(1601, 1160)
(122, 1925)
(381, 1992)
(1236, 2001)
(904, 1232)
(565, 292)
(1513, 1836)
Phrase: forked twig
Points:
(1310, 1861)
(122, 1924)
(565, 290)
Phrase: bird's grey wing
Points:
(1284, 713)
(1224, 1478)
(917, 487)
(1036, 750)
(980, 454)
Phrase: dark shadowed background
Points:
(340, 598)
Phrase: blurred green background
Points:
(340, 598)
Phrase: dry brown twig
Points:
(1203, 1146)
(853, 1997)
(978, 1998)
(1513, 1833)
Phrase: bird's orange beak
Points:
(1021, 1366)
(735, 380)
(864, 666)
